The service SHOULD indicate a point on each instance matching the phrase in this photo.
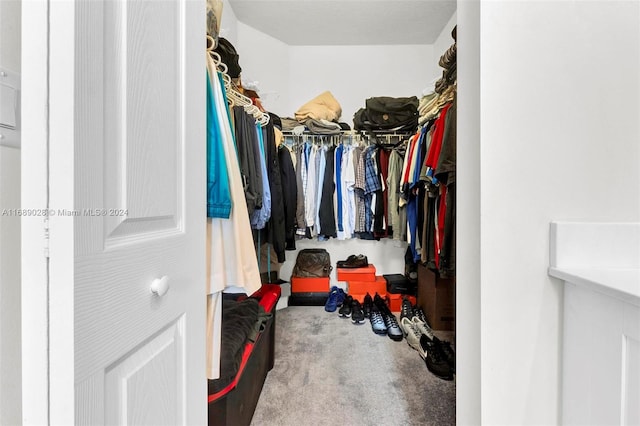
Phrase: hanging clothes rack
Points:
(233, 94)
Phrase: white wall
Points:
(10, 353)
(387, 255)
(265, 60)
(354, 73)
(289, 76)
(10, 34)
(10, 340)
(442, 43)
(558, 137)
(229, 24)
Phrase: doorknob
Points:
(160, 286)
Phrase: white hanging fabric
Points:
(231, 259)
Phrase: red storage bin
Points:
(368, 273)
(310, 285)
(379, 285)
(395, 301)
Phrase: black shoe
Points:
(353, 261)
(345, 309)
(393, 329)
(418, 312)
(357, 315)
(406, 310)
(368, 304)
(449, 354)
(435, 359)
(377, 323)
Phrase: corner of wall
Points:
(229, 23)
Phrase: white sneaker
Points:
(423, 327)
(412, 335)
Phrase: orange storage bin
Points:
(379, 285)
(367, 273)
(310, 285)
(395, 301)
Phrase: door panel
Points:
(146, 386)
(139, 212)
(143, 133)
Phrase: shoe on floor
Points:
(435, 360)
(412, 335)
(390, 321)
(377, 323)
(449, 354)
(368, 304)
(345, 309)
(423, 327)
(418, 312)
(353, 261)
(336, 297)
(406, 309)
(357, 315)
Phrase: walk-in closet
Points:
(332, 298)
(236, 212)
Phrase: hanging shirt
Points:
(311, 187)
(359, 190)
(327, 204)
(338, 180)
(261, 216)
(393, 181)
(300, 171)
(347, 181)
(290, 194)
(321, 167)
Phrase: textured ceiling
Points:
(347, 22)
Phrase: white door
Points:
(126, 198)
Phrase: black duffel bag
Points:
(312, 263)
(387, 113)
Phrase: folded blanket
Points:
(323, 127)
(322, 107)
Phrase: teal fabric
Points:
(218, 193)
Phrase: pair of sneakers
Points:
(416, 316)
(335, 299)
(351, 308)
(440, 358)
(382, 320)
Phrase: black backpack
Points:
(312, 263)
(386, 113)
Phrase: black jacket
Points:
(276, 225)
(290, 196)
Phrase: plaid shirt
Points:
(359, 190)
(371, 177)
(372, 184)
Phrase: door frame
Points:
(47, 287)
(35, 193)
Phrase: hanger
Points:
(234, 96)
